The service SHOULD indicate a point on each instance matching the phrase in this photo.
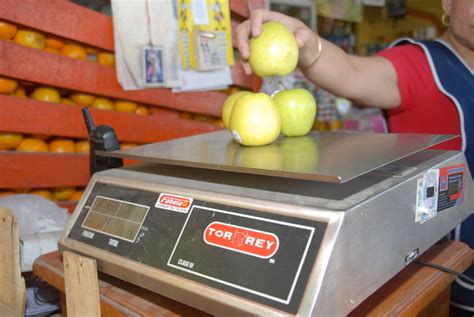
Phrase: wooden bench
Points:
(415, 291)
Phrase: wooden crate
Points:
(68, 20)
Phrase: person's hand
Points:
(306, 39)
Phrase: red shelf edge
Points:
(61, 18)
(37, 117)
(29, 64)
(39, 170)
(79, 23)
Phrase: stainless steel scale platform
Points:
(305, 226)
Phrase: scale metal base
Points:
(243, 244)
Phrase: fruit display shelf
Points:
(84, 25)
(34, 65)
(37, 117)
(27, 170)
(27, 116)
(70, 21)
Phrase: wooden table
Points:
(415, 291)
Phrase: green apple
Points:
(299, 154)
(297, 109)
(274, 52)
(267, 157)
(255, 120)
(229, 104)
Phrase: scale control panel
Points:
(263, 257)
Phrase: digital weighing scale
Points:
(304, 226)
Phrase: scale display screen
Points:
(115, 218)
(259, 256)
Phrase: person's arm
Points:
(369, 81)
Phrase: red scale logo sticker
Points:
(240, 239)
(174, 203)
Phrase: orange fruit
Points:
(20, 92)
(82, 99)
(77, 195)
(47, 94)
(63, 193)
(7, 30)
(10, 140)
(103, 103)
(51, 50)
(7, 86)
(61, 146)
(82, 146)
(32, 145)
(218, 123)
(67, 101)
(125, 106)
(106, 58)
(54, 42)
(29, 38)
(43, 193)
(74, 51)
(124, 146)
(142, 110)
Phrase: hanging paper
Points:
(205, 37)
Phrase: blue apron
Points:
(455, 80)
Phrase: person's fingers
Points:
(243, 33)
(256, 20)
(247, 68)
(302, 35)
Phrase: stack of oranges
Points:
(54, 44)
(51, 94)
(12, 87)
(13, 141)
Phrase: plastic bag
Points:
(35, 214)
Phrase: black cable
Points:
(446, 270)
(40, 285)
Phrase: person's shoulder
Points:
(406, 55)
(404, 49)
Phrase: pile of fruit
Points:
(12, 141)
(59, 194)
(256, 119)
(10, 86)
(23, 89)
(54, 44)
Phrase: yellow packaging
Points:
(205, 35)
